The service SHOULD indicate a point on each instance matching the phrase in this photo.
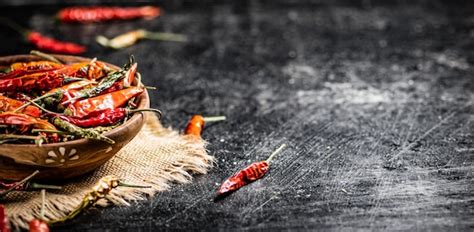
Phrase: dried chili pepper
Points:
(247, 175)
(81, 132)
(24, 180)
(45, 43)
(100, 191)
(35, 65)
(106, 118)
(132, 37)
(103, 13)
(17, 119)
(28, 186)
(4, 223)
(96, 105)
(8, 104)
(127, 73)
(39, 225)
(196, 124)
(58, 94)
(26, 122)
(48, 44)
(43, 80)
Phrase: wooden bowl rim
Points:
(144, 102)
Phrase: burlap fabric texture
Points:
(156, 157)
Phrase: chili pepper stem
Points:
(160, 114)
(43, 203)
(133, 186)
(275, 152)
(44, 186)
(165, 36)
(214, 118)
(34, 100)
(19, 183)
(42, 108)
(16, 27)
(51, 131)
(45, 56)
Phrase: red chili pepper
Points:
(96, 105)
(42, 42)
(35, 65)
(25, 121)
(42, 80)
(37, 225)
(196, 124)
(246, 176)
(48, 44)
(103, 13)
(125, 82)
(8, 104)
(106, 118)
(4, 224)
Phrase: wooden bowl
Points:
(57, 161)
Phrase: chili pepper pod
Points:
(81, 132)
(4, 223)
(96, 105)
(23, 120)
(132, 37)
(49, 44)
(103, 13)
(39, 225)
(44, 80)
(246, 176)
(196, 124)
(35, 65)
(9, 104)
(19, 183)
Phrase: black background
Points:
(374, 99)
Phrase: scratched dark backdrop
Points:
(375, 100)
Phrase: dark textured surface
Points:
(375, 101)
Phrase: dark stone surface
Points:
(375, 101)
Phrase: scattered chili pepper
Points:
(39, 225)
(96, 105)
(99, 191)
(8, 104)
(19, 183)
(104, 13)
(130, 38)
(45, 43)
(28, 186)
(106, 118)
(4, 223)
(247, 175)
(49, 44)
(35, 65)
(196, 124)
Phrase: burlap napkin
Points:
(157, 156)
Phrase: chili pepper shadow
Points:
(221, 197)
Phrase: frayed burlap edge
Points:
(194, 160)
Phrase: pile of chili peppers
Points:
(47, 102)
